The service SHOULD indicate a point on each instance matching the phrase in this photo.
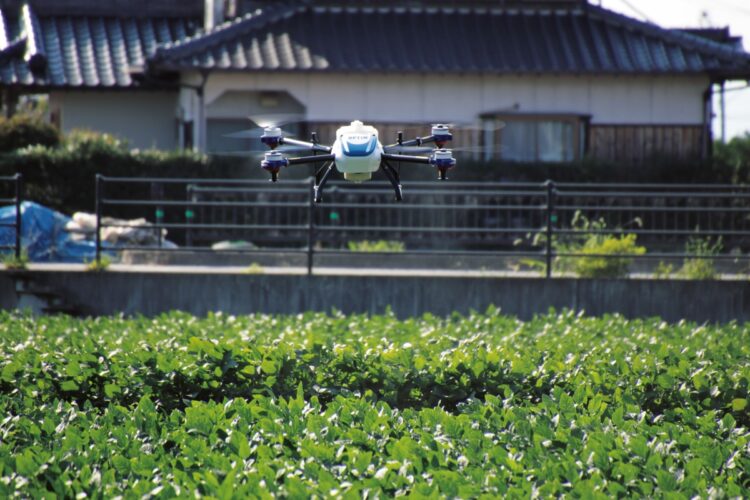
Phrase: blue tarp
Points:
(43, 235)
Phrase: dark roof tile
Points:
(101, 51)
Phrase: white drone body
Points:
(357, 153)
(357, 150)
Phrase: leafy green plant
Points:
(24, 130)
(663, 270)
(601, 256)
(598, 253)
(10, 261)
(483, 405)
(254, 268)
(702, 266)
(99, 265)
(376, 246)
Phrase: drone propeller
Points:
(263, 122)
(286, 148)
(459, 149)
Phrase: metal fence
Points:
(543, 223)
(12, 191)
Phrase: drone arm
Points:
(406, 158)
(311, 159)
(307, 145)
(414, 142)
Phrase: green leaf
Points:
(111, 389)
(739, 404)
(665, 381)
(26, 464)
(69, 386)
(268, 366)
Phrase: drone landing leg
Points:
(322, 182)
(393, 177)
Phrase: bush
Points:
(702, 267)
(734, 159)
(26, 130)
(607, 267)
(599, 252)
(63, 178)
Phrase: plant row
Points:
(358, 406)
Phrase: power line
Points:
(637, 11)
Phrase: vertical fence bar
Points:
(99, 193)
(189, 216)
(157, 191)
(550, 208)
(19, 196)
(310, 226)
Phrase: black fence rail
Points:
(543, 223)
(11, 193)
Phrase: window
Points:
(534, 138)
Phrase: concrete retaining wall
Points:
(153, 293)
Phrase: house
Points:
(565, 78)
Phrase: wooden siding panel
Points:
(635, 144)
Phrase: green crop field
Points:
(368, 407)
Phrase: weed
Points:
(376, 246)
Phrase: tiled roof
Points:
(577, 40)
(81, 51)
(106, 51)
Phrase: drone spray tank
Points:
(357, 151)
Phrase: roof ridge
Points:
(675, 35)
(227, 30)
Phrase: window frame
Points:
(579, 124)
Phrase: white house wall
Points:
(145, 119)
(639, 100)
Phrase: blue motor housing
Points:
(443, 160)
(272, 137)
(442, 135)
(272, 163)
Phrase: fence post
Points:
(99, 193)
(310, 226)
(19, 188)
(550, 185)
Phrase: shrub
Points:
(607, 267)
(10, 261)
(62, 178)
(99, 265)
(734, 159)
(599, 251)
(702, 267)
(26, 130)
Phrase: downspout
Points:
(707, 138)
(202, 109)
(199, 142)
(723, 112)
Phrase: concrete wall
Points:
(145, 119)
(152, 293)
(641, 100)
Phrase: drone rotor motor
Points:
(443, 160)
(272, 163)
(442, 134)
(272, 137)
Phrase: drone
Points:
(357, 153)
